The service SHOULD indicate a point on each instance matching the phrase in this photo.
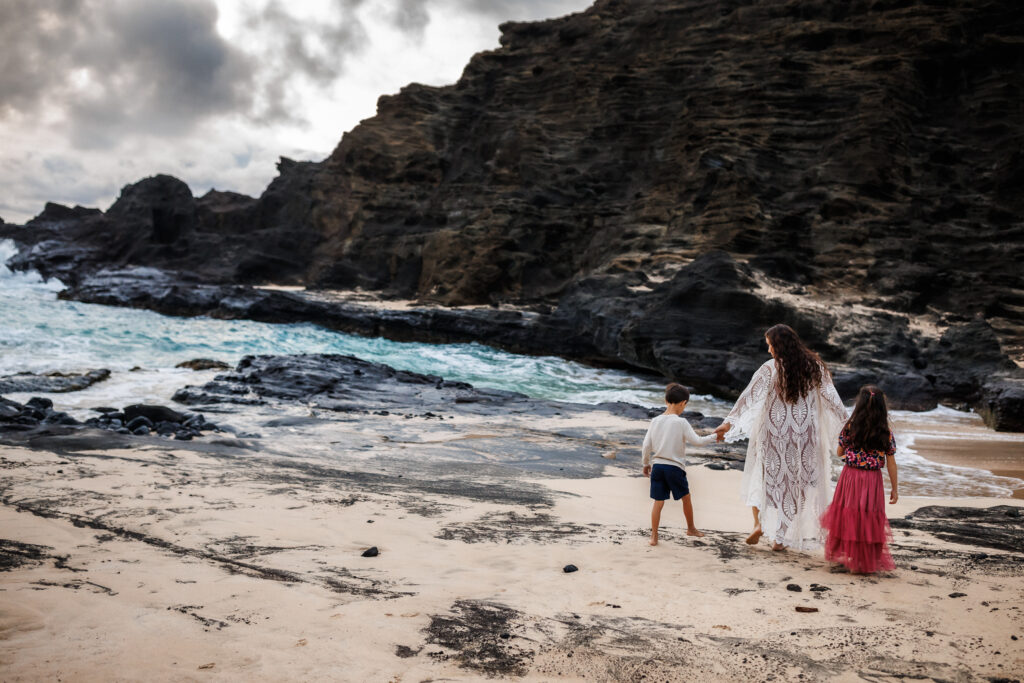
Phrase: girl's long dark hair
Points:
(868, 427)
(800, 369)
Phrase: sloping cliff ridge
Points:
(655, 183)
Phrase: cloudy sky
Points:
(95, 94)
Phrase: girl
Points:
(855, 522)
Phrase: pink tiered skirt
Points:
(857, 528)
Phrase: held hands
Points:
(647, 470)
(720, 431)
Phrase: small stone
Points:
(958, 595)
(39, 403)
(1011, 637)
(806, 610)
(371, 552)
(505, 636)
(183, 436)
(794, 587)
(819, 589)
(123, 430)
(913, 567)
(141, 430)
(140, 421)
(570, 568)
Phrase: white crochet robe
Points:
(786, 475)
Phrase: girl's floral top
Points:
(864, 459)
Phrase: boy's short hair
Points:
(676, 393)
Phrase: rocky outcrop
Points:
(998, 527)
(664, 180)
(353, 385)
(203, 364)
(38, 413)
(51, 382)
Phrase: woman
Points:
(792, 415)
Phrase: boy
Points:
(666, 441)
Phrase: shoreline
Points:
(954, 438)
(962, 440)
(997, 458)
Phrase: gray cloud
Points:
(411, 16)
(301, 48)
(119, 67)
(32, 39)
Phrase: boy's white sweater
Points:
(666, 440)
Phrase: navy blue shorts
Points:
(665, 478)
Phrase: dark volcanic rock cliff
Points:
(665, 179)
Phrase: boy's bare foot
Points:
(654, 540)
(694, 532)
(755, 536)
(778, 547)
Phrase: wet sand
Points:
(963, 440)
(241, 558)
(1003, 458)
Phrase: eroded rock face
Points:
(666, 179)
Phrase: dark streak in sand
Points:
(472, 632)
(350, 586)
(487, 638)
(512, 527)
(14, 554)
(1000, 527)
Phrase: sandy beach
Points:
(241, 559)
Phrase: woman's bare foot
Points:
(694, 532)
(755, 536)
(778, 547)
(654, 540)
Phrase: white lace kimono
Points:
(786, 475)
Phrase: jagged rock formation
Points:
(665, 179)
(51, 382)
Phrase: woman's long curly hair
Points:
(868, 427)
(800, 369)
